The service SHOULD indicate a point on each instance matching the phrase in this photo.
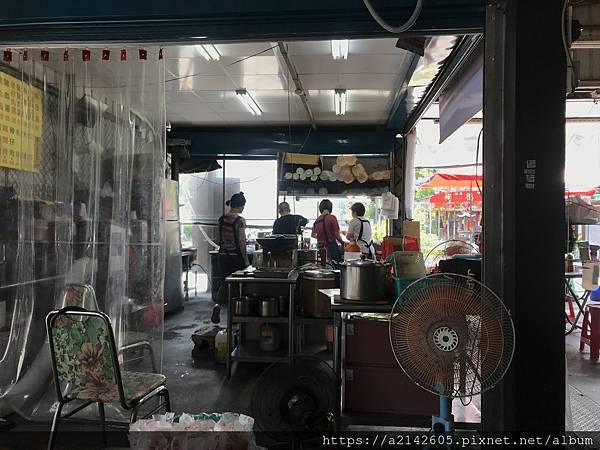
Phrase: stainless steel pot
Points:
(284, 305)
(307, 256)
(269, 307)
(241, 306)
(363, 280)
(314, 303)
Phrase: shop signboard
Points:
(21, 118)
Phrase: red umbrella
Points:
(446, 180)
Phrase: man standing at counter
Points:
(288, 223)
(326, 230)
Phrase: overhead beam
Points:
(180, 21)
(300, 91)
(272, 140)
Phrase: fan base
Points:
(443, 425)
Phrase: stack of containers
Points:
(408, 267)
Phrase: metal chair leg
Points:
(167, 398)
(160, 391)
(54, 425)
(152, 361)
(134, 413)
(103, 420)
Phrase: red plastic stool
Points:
(569, 301)
(590, 331)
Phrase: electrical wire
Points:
(386, 26)
(227, 65)
(289, 105)
(477, 161)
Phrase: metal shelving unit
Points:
(259, 319)
(249, 351)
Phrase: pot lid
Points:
(363, 263)
(319, 273)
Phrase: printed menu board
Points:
(21, 118)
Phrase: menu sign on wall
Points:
(21, 118)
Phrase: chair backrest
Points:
(84, 355)
(80, 295)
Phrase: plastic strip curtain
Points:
(81, 175)
(409, 182)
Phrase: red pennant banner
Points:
(25, 55)
(7, 55)
(86, 55)
(45, 55)
(161, 55)
(143, 54)
(105, 55)
(66, 55)
(123, 55)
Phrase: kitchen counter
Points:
(344, 314)
(339, 308)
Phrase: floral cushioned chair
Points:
(84, 296)
(86, 366)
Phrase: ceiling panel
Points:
(383, 64)
(203, 92)
(350, 81)
(196, 119)
(200, 83)
(189, 108)
(355, 47)
(258, 65)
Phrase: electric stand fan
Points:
(452, 336)
(446, 249)
(293, 402)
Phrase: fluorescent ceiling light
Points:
(213, 52)
(248, 102)
(340, 102)
(209, 52)
(339, 49)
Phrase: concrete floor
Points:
(583, 377)
(199, 385)
(206, 379)
(212, 392)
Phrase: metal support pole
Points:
(398, 177)
(523, 174)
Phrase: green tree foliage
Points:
(423, 194)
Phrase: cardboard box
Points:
(412, 228)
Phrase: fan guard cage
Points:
(451, 335)
(308, 374)
(440, 251)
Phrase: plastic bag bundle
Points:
(194, 432)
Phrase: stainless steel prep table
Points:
(248, 352)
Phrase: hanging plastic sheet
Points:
(81, 167)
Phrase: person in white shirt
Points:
(359, 231)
